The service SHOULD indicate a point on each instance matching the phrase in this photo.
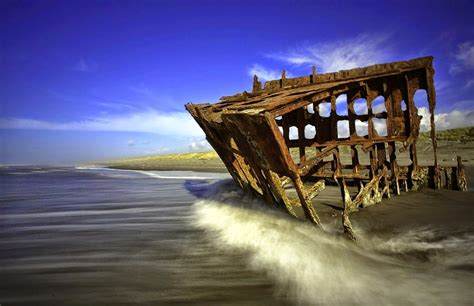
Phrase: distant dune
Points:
(451, 143)
(197, 161)
(459, 134)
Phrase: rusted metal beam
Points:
(251, 134)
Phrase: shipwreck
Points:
(291, 134)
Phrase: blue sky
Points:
(94, 80)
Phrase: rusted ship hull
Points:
(255, 133)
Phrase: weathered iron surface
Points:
(255, 133)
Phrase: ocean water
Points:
(93, 236)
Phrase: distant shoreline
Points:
(199, 162)
(195, 168)
(210, 161)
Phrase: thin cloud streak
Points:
(148, 121)
(263, 73)
(464, 58)
(84, 66)
(363, 50)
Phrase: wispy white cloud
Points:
(116, 106)
(464, 58)
(362, 50)
(84, 66)
(448, 120)
(469, 84)
(443, 121)
(131, 142)
(264, 74)
(199, 144)
(148, 121)
(144, 91)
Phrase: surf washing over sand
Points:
(415, 267)
(185, 238)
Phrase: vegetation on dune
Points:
(198, 161)
(172, 157)
(459, 134)
(463, 135)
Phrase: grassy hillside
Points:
(450, 143)
(171, 157)
(460, 134)
(198, 161)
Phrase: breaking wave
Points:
(167, 175)
(415, 267)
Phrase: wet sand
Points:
(449, 210)
(103, 237)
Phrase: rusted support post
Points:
(300, 118)
(348, 208)
(461, 175)
(432, 104)
(283, 79)
(307, 206)
(257, 86)
(279, 191)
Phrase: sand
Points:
(452, 209)
(210, 162)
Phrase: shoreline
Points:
(209, 161)
(196, 168)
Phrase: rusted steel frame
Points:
(371, 131)
(333, 117)
(418, 178)
(311, 192)
(350, 176)
(394, 167)
(330, 175)
(252, 165)
(332, 79)
(365, 143)
(432, 105)
(285, 180)
(370, 72)
(256, 86)
(363, 117)
(279, 191)
(461, 175)
(218, 147)
(308, 165)
(307, 206)
(301, 123)
(365, 192)
(317, 96)
(448, 176)
(238, 124)
(308, 209)
(387, 93)
(245, 171)
(315, 189)
(352, 116)
(346, 200)
(381, 155)
(253, 169)
(351, 205)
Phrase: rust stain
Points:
(254, 133)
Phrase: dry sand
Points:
(210, 162)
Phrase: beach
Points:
(92, 235)
(448, 150)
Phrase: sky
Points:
(97, 80)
